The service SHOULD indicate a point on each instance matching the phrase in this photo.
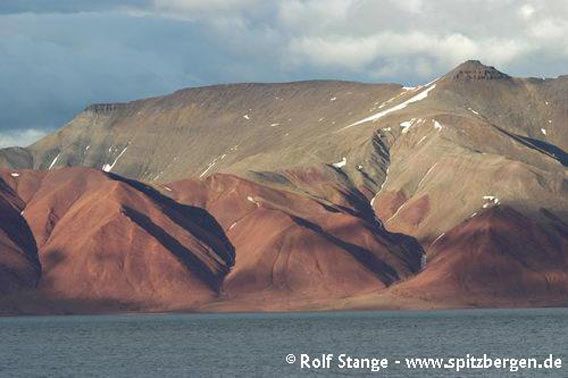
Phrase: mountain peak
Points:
(475, 70)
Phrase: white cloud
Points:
(389, 39)
(425, 49)
(412, 6)
(296, 15)
(527, 11)
(20, 138)
(549, 29)
(352, 53)
(57, 58)
(399, 44)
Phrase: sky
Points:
(58, 56)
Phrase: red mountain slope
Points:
(496, 258)
(106, 243)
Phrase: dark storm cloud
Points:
(54, 65)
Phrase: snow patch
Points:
(15, 174)
(168, 188)
(372, 203)
(438, 238)
(333, 99)
(214, 161)
(419, 97)
(109, 167)
(473, 111)
(543, 130)
(211, 165)
(426, 175)
(54, 161)
(407, 124)
(386, 178)
(274, 124)
(246, 116)
(253, 200)
(340, 164)
(490, 201)
(423, 260)
(386, 102)
(437, 125)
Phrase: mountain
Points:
(308, 195)
(108, 243)
(496, 254)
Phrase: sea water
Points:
(248, 345)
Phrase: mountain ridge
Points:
(334, 195)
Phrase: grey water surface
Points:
(201, 345)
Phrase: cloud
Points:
(411, 6)
(348, 52)
(59, 56)
(394, 54)
(298, 15)
(389, 40)
(54, 65)
(527, 11)
(20, 137)
(209, 6)
(66, 6)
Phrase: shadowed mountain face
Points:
(117, 244)
(309, 195)
(493, 257)
(19, 264)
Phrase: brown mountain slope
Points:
(314, 176)
(199, 131)
(455, 153)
